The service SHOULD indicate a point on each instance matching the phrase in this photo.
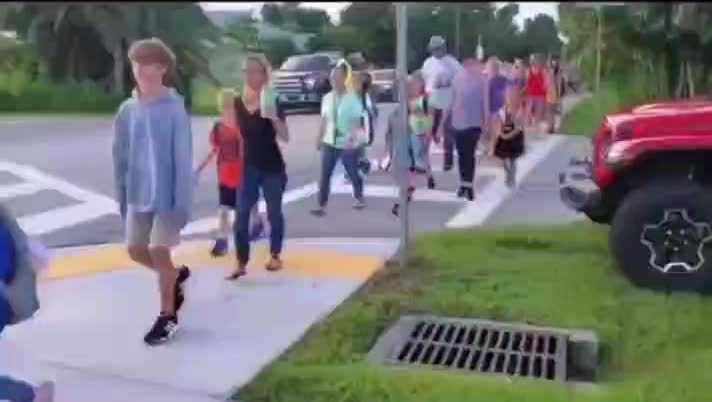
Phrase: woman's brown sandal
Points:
(274, 264)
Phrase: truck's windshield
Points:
(306, 63)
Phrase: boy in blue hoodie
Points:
(18, 301)
(153, 160)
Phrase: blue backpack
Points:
(7, 254)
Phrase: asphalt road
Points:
(56, 176)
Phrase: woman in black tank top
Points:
(263, 166)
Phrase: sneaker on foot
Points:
(318, 211)
(396, 209)
(431, 183)
(461, 192)
(44, 392)
(220, 248)
(257, 231)
(359, 205)
(163, 330)
(470, 194)
(183, 275)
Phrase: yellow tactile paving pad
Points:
(299, 260)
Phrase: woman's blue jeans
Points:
(272, 185)
(330, 156)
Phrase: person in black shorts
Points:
(509, 143)
(226, 145)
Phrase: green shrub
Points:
(18, 93)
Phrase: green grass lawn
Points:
(655, 347)
(587, 114)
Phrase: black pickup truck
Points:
(302, 80)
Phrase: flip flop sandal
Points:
(274, 265)
(239, 273)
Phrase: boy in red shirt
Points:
(226, 144)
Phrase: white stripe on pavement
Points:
(55, 219)
(207, 225)
(18, 190)
(44, 180)
(376, 191)
(487, 201)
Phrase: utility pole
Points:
(599, 46)
(458, 15)
(402, 75)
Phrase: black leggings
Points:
(466, 142)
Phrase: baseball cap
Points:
(436, 42)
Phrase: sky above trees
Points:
(526, 9)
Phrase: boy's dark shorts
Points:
(228, 197)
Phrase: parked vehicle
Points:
(649, 176)
(383, 85)
(302, 80)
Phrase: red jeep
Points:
(650, 178)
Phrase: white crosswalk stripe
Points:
(88, 206)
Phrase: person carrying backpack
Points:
(18, 300)
(226, 145)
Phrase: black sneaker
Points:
(220, 248)
(431, 183)
(163, 330)
(461, 192)
(470, 194)
(183, 275)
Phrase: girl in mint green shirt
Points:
(340, 138)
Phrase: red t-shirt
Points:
(536, 86)
(226, 140)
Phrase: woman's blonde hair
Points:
(224, 94)
(262, 61)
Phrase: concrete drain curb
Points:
(489, 347)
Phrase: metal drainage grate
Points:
(475, 345)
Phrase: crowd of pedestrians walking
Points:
(474, 108)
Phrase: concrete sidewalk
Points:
(88, 336)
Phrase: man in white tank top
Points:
(439, 70)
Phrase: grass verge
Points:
(655, 347)
(587, 114)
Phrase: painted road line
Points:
(297, 259)
(474, 213)
(376, 191)
(207, 225)
(55, 219)
(46, 181)
(18, 190)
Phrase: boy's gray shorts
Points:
(151, 230)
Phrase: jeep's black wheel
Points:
(661, 236)
(599, 217)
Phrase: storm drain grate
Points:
(475, 345)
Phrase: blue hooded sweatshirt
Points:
(153, 157)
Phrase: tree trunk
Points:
(671, 62)
(690, 81)
(118, 55)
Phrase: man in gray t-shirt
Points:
(469, 116)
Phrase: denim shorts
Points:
(421, 150)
